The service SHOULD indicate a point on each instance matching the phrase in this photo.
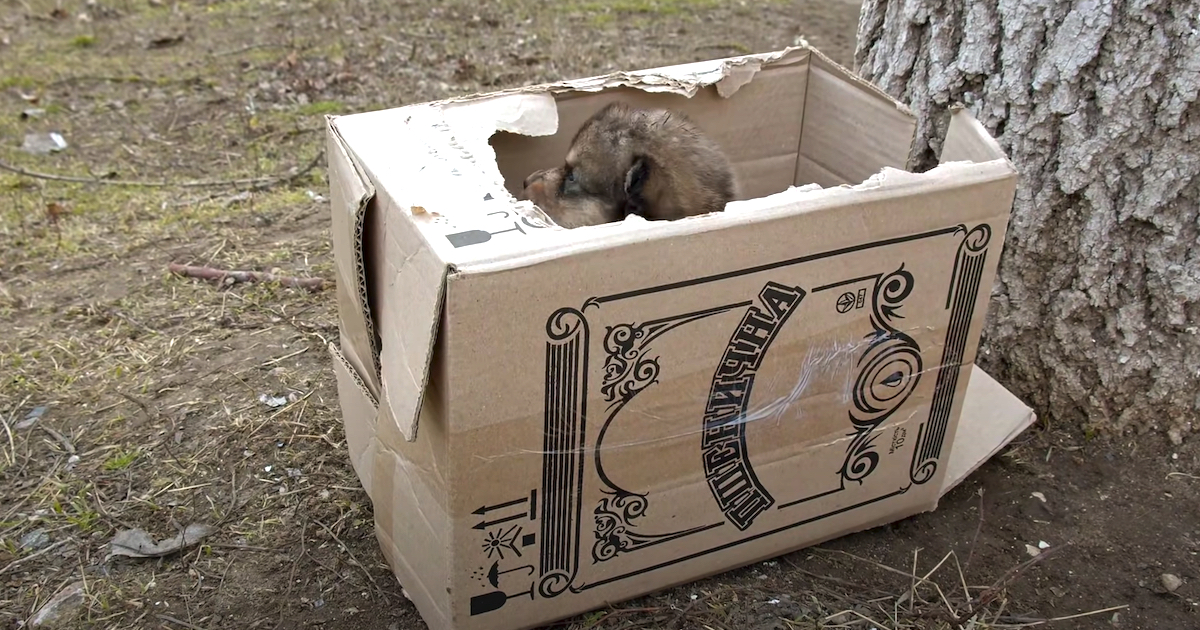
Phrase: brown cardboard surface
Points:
(850, 131)
(358, 403)
(608, 411)
(408, 281)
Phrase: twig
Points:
(255, 183)
(220, 275)
(180, 622)
(1032, 621)
(243, 547)
(66, 444)
(11, 453)
(829, 578)
(988, 595)
(292, 573)
(975, 539)
(152, 417)
(39, 552)
(350, 554)
(680, 616)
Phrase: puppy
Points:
(623, 160)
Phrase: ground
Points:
(130, 397)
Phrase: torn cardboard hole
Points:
(561, 419)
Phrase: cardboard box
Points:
(550, 420)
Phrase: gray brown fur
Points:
(655, 163)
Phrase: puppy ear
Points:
(635, 184)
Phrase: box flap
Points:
(992, 417)
(851, 128)
(967, 140)
(350, 193)
(407, 285)
(389, 317)
(359, 410)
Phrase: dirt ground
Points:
(130, 398)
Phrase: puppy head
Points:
(602, 179)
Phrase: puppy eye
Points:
(571, 177)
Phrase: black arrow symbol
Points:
(484, 509)
(487, 524)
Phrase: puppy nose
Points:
(533, 178)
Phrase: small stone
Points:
(35, 539)
(43, 143)
(64, 602)
(1171, 582)
(31, 418)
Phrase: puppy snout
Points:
(536, 176)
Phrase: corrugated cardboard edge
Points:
(991, 418)
(351, 192)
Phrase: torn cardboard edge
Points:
(533, 111)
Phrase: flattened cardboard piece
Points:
(359, 409)
(991, 419)
(350, 194)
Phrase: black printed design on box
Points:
(731, 479)
(628, 371)
(960, 301)
(504, 540)
(587, 520)
(477, 236)
(889, 369)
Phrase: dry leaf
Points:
(136, 543)
(165, 42)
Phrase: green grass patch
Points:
(321, 108)
(18, 81)
(655, 7)
(121, 460)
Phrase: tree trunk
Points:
(1095, 315)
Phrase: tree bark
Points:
(1094, 318)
